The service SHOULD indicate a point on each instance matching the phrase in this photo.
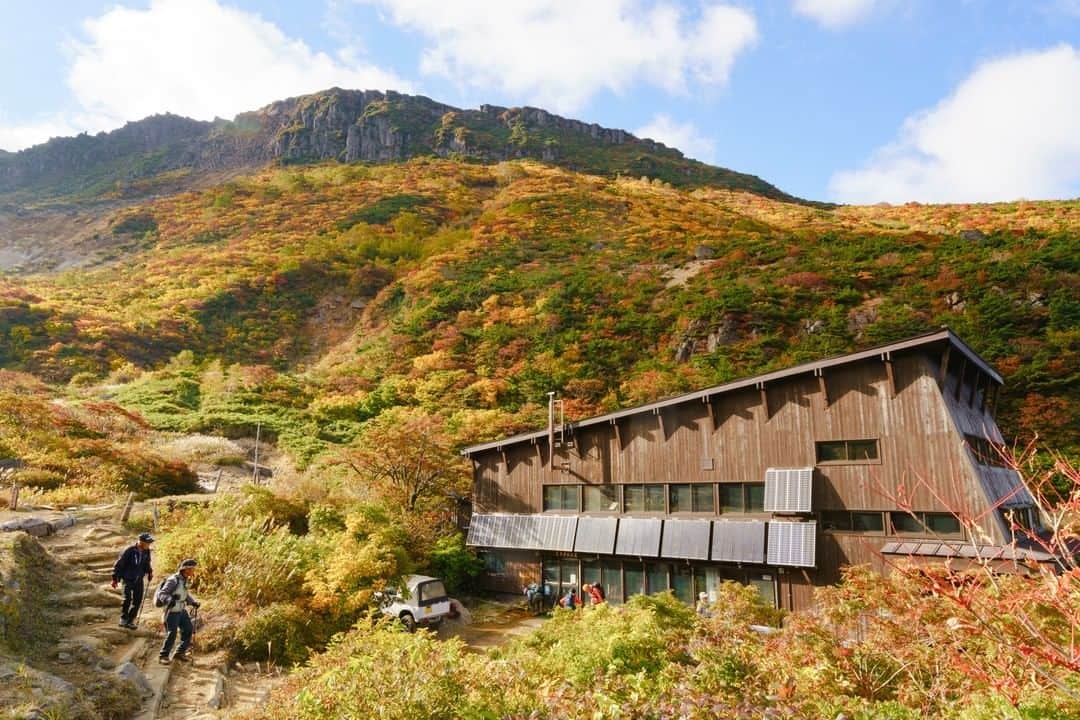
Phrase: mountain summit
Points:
(168, 152)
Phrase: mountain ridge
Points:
(347, 126)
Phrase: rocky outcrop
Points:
(348, 126)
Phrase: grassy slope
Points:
(486, 286)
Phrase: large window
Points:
(985, 452)
(561, 497)
(742, 497)
(687, 498)
(847, 451)
(1021, 521)
(852, 521)
(600, 498)
(944, 525)
(643, 498)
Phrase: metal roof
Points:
(944, 335)
(968, 551)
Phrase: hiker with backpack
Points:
(131, 567)
(173, 596)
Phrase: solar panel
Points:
(524, 532)
(639, 537)
(788, 489)
(685, 539)
(596, 535)
(792, 543)
(739, 541)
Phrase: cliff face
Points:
(343, 125)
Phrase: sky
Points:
(854, 101)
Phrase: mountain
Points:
(314, 297)
(143, 157)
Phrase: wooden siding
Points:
(920, 449)
(522, 567)
(917, 416)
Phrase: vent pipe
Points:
(551, 428)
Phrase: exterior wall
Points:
(520, 567)
(919, 426)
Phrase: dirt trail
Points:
(88, 618)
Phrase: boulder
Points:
(129, 671)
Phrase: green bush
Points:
(280, 632)
(455, 563)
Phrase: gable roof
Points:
(944, 337)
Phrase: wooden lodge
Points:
(777, 481)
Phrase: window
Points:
(600, 498)
(560, 497)
(835, 520)
(867, 522)
(848, 521)
(643, 498)
(687, 498)
(494, 564)
(656, 578)
(926, 523)
(1020, 521)
(985, 452)
(847, 451)
(742, 497)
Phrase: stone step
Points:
(158, 676)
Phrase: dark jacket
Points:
(132, 565)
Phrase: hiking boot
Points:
(129, 625)
(123, 622)
(163, 659)
(182, 657)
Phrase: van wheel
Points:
(408, 621)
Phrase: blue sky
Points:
(845, 100)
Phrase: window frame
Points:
(745, 507)
(920, 517)
(645, 490)
(848, 458)
(693, 490)
(850, 522)
(985, 451)
(616, 496)
(563, 489)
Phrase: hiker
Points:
(131, 567)
(173, 595)
(534, 595)
(570, 600)
(596, 593)
(702, 607)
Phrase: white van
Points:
(422, 601)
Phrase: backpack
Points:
(162, 598)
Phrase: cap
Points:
(146, 538)
(189, 563)
(702, 596)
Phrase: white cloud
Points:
(835, 14)
(21, 135)
(560, 53)
(683, 136)
(197, 58)
(1010, 130)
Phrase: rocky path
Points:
(88, 620)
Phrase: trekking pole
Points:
(142, 601)
(194, 628)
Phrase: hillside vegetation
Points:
(372, 319)
(311, 299)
